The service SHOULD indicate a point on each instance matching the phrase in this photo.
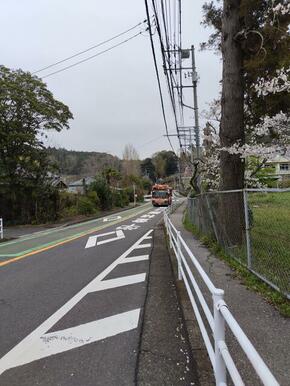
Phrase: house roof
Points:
(87, 181)
(279, 159)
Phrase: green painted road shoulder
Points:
(56, 236)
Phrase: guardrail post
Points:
(219, 335)
(179, 255)
(247, 228)
(167, 223)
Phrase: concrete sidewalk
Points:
(265, 327)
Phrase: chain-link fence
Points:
(252, 226)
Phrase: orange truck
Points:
(161, 195)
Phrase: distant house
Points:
(79, 186)
(59, 184)
(281, 168)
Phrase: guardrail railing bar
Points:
(179, 256)
(219, 335)
(220, 357)
(200, 296)
(202, 328)
(230, 365)
(255, 359)
(199, 268)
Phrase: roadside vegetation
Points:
(248, 279)
(29, 170)
(270, 232)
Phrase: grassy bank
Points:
(270, 241)
(248, 279)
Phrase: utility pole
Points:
(195, 104)
(185, 133)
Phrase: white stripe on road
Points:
(60, 341)
(92, 240)
(112, 218)
(22, 349)
(140, 246)
(134, 259)
(118, 282)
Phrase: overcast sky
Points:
(114, 97)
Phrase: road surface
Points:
(71, 301)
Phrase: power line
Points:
(93, 56)
(166, 57)
(157, 74)
(89, 49)
(152, 140)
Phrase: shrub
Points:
(86, 206)
(103, 191)
(120, 198)
(93, 196)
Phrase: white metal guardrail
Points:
(1, 228)
(220, 357)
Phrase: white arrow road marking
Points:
(92, 240)
(17, 354)
(112, 218)
(118, 282)
(60, 341)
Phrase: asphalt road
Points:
(71, 302)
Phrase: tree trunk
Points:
(232, 122)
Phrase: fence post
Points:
(219, 335)
(179, 255)
(247, 228)
(211, 217)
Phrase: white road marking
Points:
(134, 259)
(92, 240)
(148, 216)
(118, 282)
(148, 238)
(140, 220)
(140, 246)
(112, 218)
(22, 349)
(60, 341)
(128, 227)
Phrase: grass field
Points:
(270, 237)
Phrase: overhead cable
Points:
(93, 56)
(157, 74)
(89, 49)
